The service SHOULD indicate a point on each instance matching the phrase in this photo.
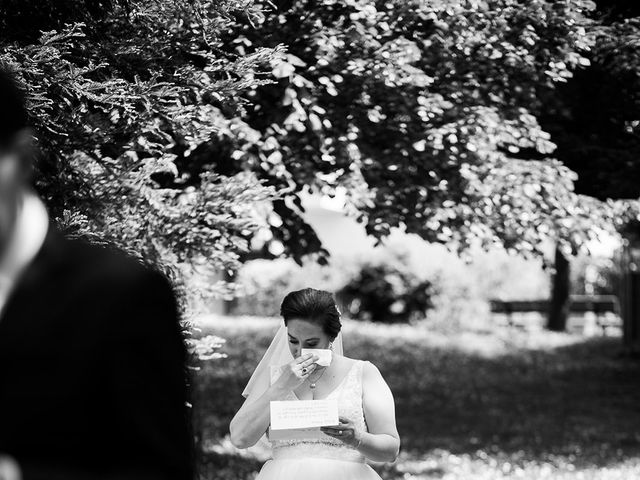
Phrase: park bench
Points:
(601, 306)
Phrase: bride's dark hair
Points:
(313, 305)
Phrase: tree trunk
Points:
(629, 294)
(632, 322)
(559, 304)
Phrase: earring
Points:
(330, 345)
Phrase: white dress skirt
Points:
(324, 458)
(316, 469)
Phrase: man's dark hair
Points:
(13, 112)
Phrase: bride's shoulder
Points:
(370, 373)
(347, 361)
(344, 364)
(367, 367)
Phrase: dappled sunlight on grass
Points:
(260, 451)
(480, 342)
(507, 404)
(496, 465)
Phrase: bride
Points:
(367, 428)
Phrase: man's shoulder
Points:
(92, 255)
(91, 262)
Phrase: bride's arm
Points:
(382, 442)
(252, 420)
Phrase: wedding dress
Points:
(324, 458)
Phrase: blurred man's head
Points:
(15, 153)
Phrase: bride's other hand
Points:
(345, 431)
(380, 441)
(297, 371)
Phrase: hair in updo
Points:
(316, 306)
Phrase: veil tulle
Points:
(277, 355)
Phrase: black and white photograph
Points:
(319, 239)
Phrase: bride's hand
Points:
(345, 431)
(297, 371)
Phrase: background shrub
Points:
(264, 283)
(387, 292)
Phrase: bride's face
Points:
(305, 334)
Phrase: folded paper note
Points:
(304, 414)
(323, 354)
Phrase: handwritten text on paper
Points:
(304, 413)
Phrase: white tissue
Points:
(323, 354)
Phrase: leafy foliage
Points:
(122, 107)
(427, 113)
(594, 117)
(24, 21)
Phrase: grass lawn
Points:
(469, 405)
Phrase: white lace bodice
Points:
(349, 397)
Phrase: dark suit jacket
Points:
(92, 369)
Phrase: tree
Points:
(593, 120)
(426, 113)
(121, 103)
(442, 117)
